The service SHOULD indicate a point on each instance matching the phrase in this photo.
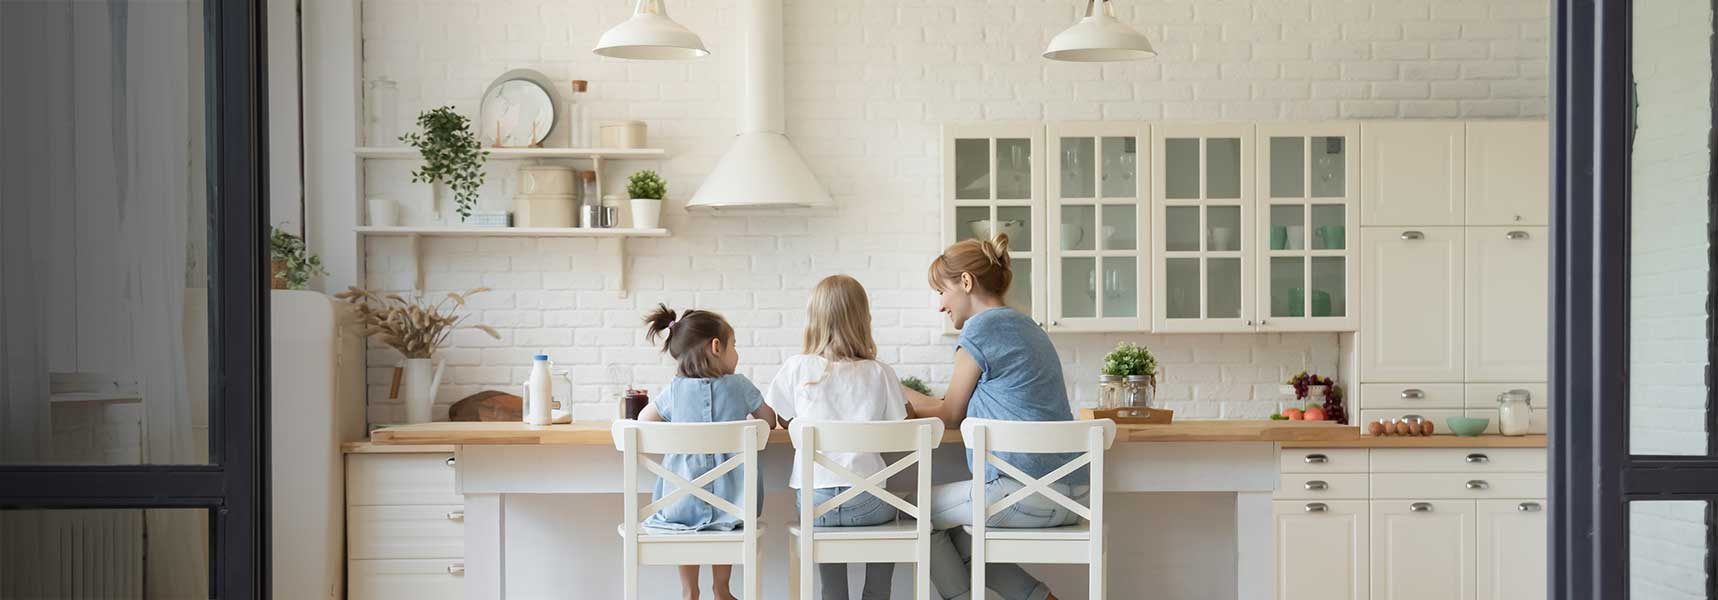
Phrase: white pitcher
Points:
(421, 381)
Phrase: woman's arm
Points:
(952, 407)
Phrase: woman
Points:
(1004, 368)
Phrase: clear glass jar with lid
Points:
(1515, 412)
(1112, 391)
(1141, 393)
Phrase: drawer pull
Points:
(1413, 235)
(1317, 459)
(1528, 507)
(1316, 486)
(1478, 484)
(458, 515)
(1477, 459)
(1316, 507)
(1517, 235)
(1413, 394)
(456, 569)
(451, 461)
(1420, 507)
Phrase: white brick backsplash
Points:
(868, 85)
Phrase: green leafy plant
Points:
(646, 185)
(916, 384)
(1130, 359)
(290, 262)
(451, 155)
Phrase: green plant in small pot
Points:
(646, 189)
(915, 384)
(452, 156)
(290, 265)
(1137, 368)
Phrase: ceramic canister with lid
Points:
(545, 197)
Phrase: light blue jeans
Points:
(951, 546)
(861, 511)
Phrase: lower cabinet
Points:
(1422, 550)
(1321, 549)
(1511, 546)
(405, 527)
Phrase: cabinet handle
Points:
(1317, 459)
(1477, 459)
(1413, 418)
(451, 461)
(1517, 235)
(1249, 322)
(1528, 507)
(1264, 322)
(1055, 323)
(456, 569)
(1316, 507)
(1478, 484)
(458, 515)
(1413, 235)
(1420, 507)
(1413, 394)
(1316, 486)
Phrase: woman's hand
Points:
(951, 408)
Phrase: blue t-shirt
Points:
(700, 400)
(1020, 379)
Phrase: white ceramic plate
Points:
(516, 113)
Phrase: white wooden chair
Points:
(651, 547)
(1081, 543)
(908, 539)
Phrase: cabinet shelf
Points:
(410, 153)
(414, 233)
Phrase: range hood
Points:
(762, 168)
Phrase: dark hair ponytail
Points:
(687, 338)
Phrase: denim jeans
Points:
(951, 546)
(860, 511)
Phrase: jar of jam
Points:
(635, 401)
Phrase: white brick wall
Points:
(1667, 399)
(868, 85)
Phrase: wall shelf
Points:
(619, 235)
(410, 153)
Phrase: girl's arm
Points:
(952, 407)
(649, 413)
(768, 415)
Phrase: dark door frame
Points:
(234, 486)
(1593, 475)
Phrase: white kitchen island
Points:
(1189, 511)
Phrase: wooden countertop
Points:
(375, 448)
(1436, 441)
(597, 433)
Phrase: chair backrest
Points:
(743, 439)
(811, 439)
(1090, 438)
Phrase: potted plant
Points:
(290, 265)
(1134, 366)
(646, 189)
(452, 156)
(915, 384)
(415, 328)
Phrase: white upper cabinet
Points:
(1308, 227)
(1099, 224)
(1422, 550)
(1202, 238)
(1511, 548)
(993, 183)
(1411, 173)
(1508, 303)
(1411, 324)
(1508, 173)
(1321, 549)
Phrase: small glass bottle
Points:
(589, 217)
(1110, 391)
(1515, 412)
(575, 115)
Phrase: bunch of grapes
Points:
(1332, 395)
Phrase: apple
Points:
(1294, 414)
(1314, 414)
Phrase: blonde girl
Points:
(838, 378)
(705, 389)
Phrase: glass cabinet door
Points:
(1307, 227)
(993, 185)
(1203, 209)
(1097, 225)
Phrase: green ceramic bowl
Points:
(1467, 426)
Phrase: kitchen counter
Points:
(597, 433)
(1436, 441)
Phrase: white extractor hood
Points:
(761, 168)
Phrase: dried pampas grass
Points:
(414, 327)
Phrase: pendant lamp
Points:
(1099, 37)
(650, 35)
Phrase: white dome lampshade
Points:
(650, 35)
(1099, 37)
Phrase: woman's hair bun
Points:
(996, 250)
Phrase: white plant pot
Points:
(418, 386)
(646, 213)
(384, 212)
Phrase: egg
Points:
(1402, 427)
(1426, 428)
(1375, 428)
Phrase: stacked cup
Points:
(546, 197)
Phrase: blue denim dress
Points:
(704, 400)
(1020, 379)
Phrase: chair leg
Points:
(922, 579)
(793, 572)
(751, 580)
(629, 575)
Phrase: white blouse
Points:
(812, 387)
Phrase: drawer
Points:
(1316, 486)
(1410, 395)
(405, 579)
(400, 479)
(1484, 395)
(1459, 460)
(1323, 460)
(1436, 415)
(1408, 486)
(427, 531)
(1541, 420)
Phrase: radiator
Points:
(94, 554)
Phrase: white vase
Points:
(419, 383)
(384, 212)
(646, 213)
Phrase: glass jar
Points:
(1515, 412)
(381, 112)
(1140, 393)
(1110, 391)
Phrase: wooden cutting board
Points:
(1130, 415)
